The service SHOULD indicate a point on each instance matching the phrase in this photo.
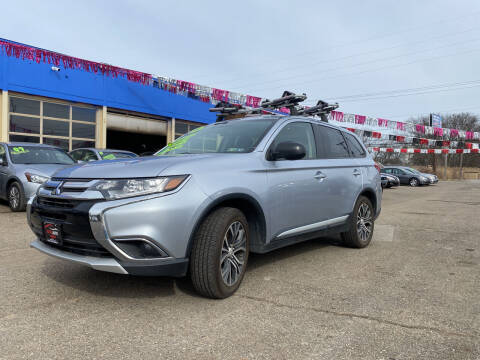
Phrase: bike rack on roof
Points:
(289, 100)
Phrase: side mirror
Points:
(288, 150)
(3, 161)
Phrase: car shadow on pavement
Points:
(109, 284)
(125, 286)
(256, 261)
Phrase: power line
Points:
(371, 70)
(360, 54)
(473, 107)
(401, 90)
(309, 74)
(380, 35)
(409, 92)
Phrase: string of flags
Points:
(423, 151)
(402, 127)
(213, 95)
(414, 140)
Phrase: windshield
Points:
(411, 171)
(112, 155)
(237, 136)
(38, 155)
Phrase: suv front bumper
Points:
(93, 229)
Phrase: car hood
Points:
(40, 169)
(127, 168)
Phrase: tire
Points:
(217, 265)
(359, 237)
(413, 182)
(16, 197)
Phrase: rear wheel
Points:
(361, 226)
(413, 182)
(16, 197)
(220, 253)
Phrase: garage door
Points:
(136, 125)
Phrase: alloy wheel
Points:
(364, 222)
(234, 250)
(14, 197)
(413, 182)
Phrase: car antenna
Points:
(322, 109)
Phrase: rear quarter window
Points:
(355, 149)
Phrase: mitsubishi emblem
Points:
(58, 190)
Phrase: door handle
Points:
(320, 176)
(356, 172)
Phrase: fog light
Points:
(140, 249)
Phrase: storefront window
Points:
(24, 106)
(23, 124)
(61, 143)
(83, 130)
(22, 138)
(182, 127)
(51, 123)
(56, 110)
(83, 114)
(55, 127)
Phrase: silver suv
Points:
(24, 167)
(207, 200)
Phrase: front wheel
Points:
(16, 198)
(361, 225)
(413, 182)
(220, 253)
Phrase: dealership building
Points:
(52, 98)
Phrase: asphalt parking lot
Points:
(413, 294)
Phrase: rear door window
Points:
(330, 143)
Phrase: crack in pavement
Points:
(357, 316)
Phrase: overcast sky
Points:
(327, 49)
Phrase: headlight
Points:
(118, 189)
(34, 178)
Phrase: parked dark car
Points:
(409, 176)
(389, 180)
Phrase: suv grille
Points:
(72, 216)
(80, 247)
(56, 202)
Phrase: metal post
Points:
(445, 167)
(461, 166)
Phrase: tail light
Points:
(377, 167)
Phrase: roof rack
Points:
(322, 109)
(227, 111)
(289, 100)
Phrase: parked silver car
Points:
(92, 154)
(24, 167)
(207, 200)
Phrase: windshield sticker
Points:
(109, 157)
(19, 150)
(180, 142)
